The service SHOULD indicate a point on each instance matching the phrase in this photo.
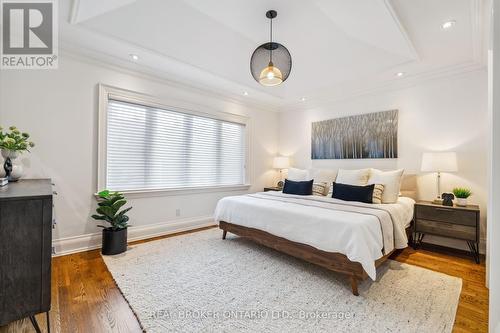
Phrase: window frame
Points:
(108, 92)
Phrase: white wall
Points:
(59, 109)
(494, 168)
(444, 114)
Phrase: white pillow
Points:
(298, 175)
(353, 177)
(391, 181)
(322, 175)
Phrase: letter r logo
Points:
(27, 28)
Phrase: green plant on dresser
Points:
(462, 193)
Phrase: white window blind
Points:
(154, 148)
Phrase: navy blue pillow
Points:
(298, 188)
(353, 192)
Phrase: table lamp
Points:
(281, 162)
(439, 162)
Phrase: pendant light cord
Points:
(271, 43)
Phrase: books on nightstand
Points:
(3, 181)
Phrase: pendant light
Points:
(271, 62)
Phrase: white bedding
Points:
(363, 232)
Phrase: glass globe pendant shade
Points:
(270, 76)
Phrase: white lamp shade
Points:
(439, 162)
(281, 162)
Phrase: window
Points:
(160, 148)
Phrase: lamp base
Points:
(437, 201)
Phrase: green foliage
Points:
(110, 204)
(462, 192)
(15, 140)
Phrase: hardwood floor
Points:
(86, 299)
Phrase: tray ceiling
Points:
(337, 46)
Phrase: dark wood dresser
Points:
(25, 249)
(452, 222)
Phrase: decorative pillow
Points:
(298, 174)
(391, 181)
(298, 188)
(353, 177)
(378, 190)
(320, 189)
(353, 192)
(323, 175)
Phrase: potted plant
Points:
(114, 237)
(12, 143)
(462, 193)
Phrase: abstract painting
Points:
(372, 135)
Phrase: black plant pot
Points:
(114, 241)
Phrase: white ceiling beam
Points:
(85, 10)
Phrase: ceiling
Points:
(338, 47)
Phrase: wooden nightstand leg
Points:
(474, 250)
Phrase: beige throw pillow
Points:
(320, 189)
(378, 191)
(323, 175)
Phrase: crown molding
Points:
(257, 99)
(142, 72)
(392, 85)
(395, 84)
(174, 73)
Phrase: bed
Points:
(352, 238)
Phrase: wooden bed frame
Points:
(333, 261)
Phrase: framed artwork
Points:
(372, 135)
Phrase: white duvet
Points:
(363, 232)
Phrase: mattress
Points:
(363, 232)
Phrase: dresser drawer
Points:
(446, 229)
(444, 214)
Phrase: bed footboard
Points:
(336, 262)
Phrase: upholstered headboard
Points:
(409, 186)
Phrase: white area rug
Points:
(201, 283)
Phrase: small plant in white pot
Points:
(462, 193)
(13, 143)
(114, 237)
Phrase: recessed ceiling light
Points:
(400, 74)
(448, 24)
(245, 93)
(134, 57)
(303, 99)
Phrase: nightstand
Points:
(452, 222)
(267, 189)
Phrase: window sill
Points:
(182, 191)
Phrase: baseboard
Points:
(69, 245)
